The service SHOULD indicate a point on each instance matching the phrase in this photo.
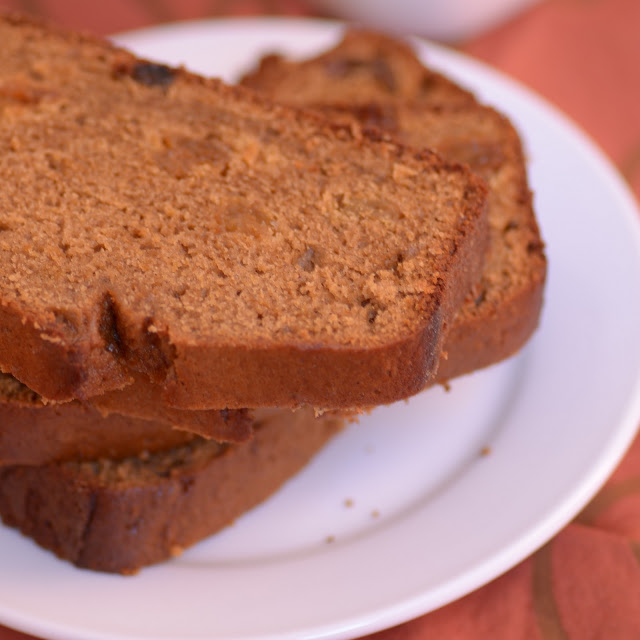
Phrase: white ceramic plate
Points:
(402, 513)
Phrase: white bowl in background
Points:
(444, 20)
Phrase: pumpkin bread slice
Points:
(235, 252)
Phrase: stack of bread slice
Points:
(199, 282)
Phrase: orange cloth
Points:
(584, 56)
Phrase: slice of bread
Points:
(235, 252)
(121, 515)
(502, 309)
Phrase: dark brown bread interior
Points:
(121, 515)
(377, 81)
(238, 253)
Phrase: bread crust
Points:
(86, 344)
(33, 432)
(122, 516)
(37, 434)
(145, 401)
(471, 346)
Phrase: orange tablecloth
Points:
(583, 55)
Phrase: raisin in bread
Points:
(236, 252)
(119, 515)
(502, 309)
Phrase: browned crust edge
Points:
(34, 434)
(493, 336)
(489, 333)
